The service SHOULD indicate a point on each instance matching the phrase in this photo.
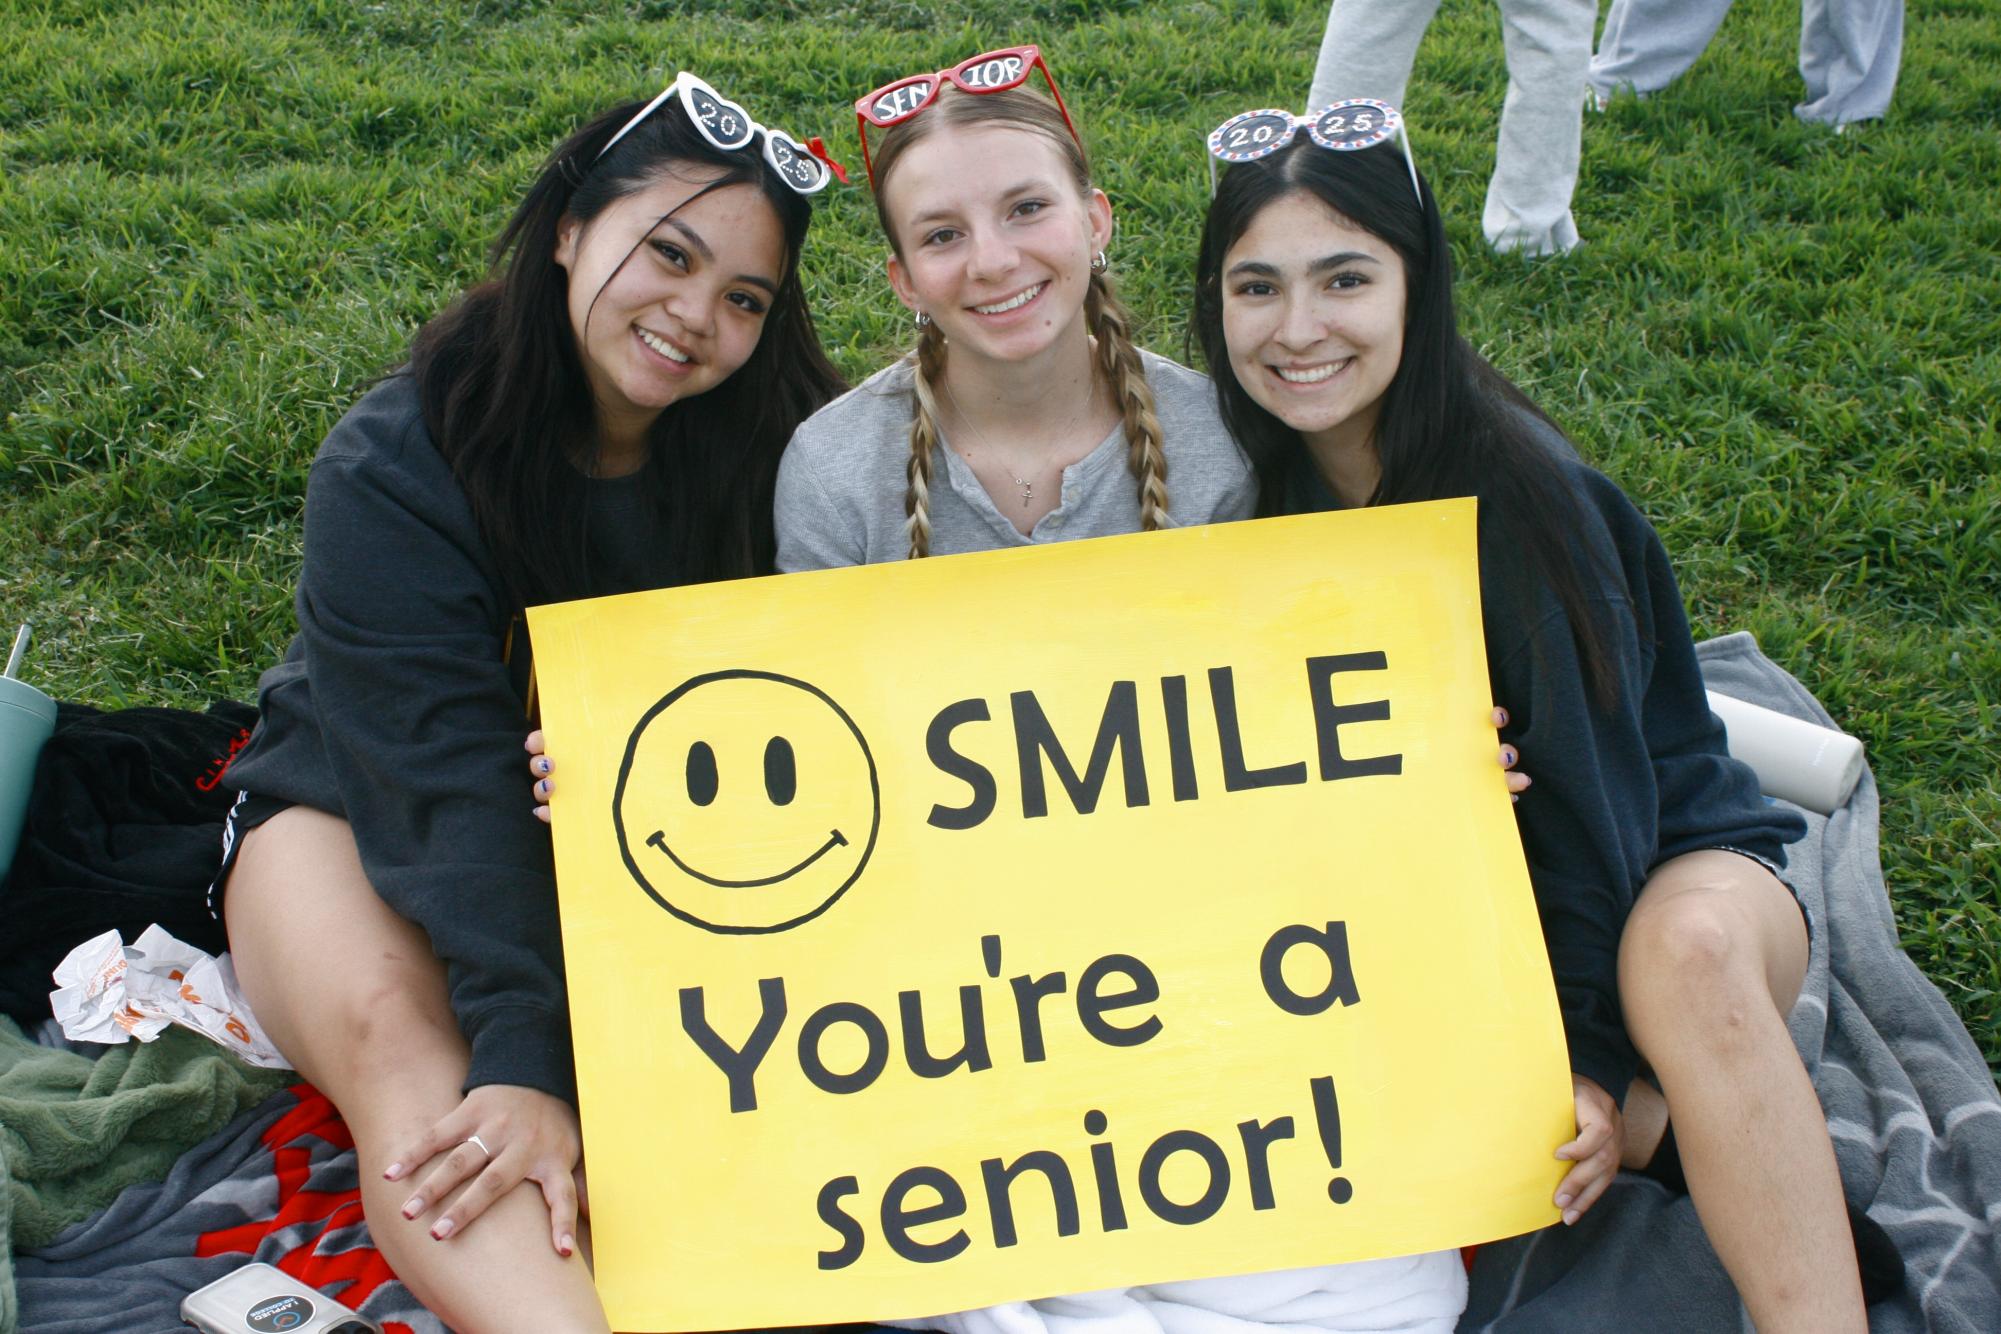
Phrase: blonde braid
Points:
(1126, 373)
(930, 358)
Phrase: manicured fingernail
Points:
(443, 1229)
(1527, 781)
(541, 787)
(1563, 1201)
(1514, 796)
(1500, 717)
(542, 765)
(1570, 1216)
(569, 1244)
(391, 1172)
(413, 1206)
(1508, 755)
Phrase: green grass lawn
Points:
(219, 220)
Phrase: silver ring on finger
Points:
(474, 1139)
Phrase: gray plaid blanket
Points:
(1909, 1099)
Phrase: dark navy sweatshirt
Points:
(1617, 790)
(397, 707)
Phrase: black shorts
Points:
(249, 811)
(1778, 874)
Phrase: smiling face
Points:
(994, 239)
(1313, 315)
(664, 308)
(747, 802)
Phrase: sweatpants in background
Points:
(1368, 50)
(1849, 51)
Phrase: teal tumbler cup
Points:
(27, 719)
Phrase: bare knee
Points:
(1689, 961)
(1692, 935)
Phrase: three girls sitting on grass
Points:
(607, 414)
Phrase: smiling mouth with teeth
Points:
(1012, 303)
(663, 347)
(1311, 374)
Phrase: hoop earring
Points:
(1099, 263)
(922, 320)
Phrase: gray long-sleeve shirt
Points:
(841, 483)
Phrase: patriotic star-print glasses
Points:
(803, 166)
(1358, 122)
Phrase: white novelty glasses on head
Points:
(805, 167)
(1358, 122)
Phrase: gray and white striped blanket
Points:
(1910, 1101)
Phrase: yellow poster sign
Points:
(1046, 920)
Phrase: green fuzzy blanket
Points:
(74, 1131)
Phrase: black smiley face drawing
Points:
(747, 802)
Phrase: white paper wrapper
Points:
(112, 992)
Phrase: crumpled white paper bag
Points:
(112, 992)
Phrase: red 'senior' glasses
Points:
(988, 72)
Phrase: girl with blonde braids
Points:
(1025, 413)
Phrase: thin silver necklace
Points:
(1026, 484)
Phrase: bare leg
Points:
(1646, 1115)
(1710, 963)
(354, 998)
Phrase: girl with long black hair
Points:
(604, 414)
(1324, 307)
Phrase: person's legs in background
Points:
(1648, 44)
(1848, 58)
(1548, 45)
(1368, 49)
(1849, 53)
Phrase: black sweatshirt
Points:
(1619, 791)
(395, 708)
